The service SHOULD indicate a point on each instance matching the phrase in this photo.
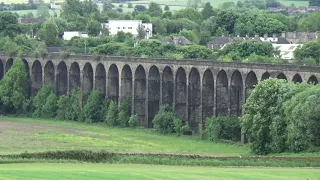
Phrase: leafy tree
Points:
(154, 9)
(194, 4)
(63, 107)
(134, 120)
(9, 24)
(93, 28)
(189, 35)
(159, 26)
(228, 5)
(130, 5)
(146, 18)
(190, 14)
(49, 33)
(166, 8)
(75, 106)
(124, 113)
(108, 48)
(140, 8)
(43, 11)
(314, 3)
(310, 23)
(40, 99)
(196, 52)
(92, 111)
(273, 3)
(50, 107)
(207, 11)
(308, 50)
(112, 116)
(14, 87)
(164, 120)
(226, 19)
(107, 5)
(259, 4)
(141, 32)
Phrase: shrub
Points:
(124, 113)
(111, 118)
(27, 107)
(164, 120)
(40, 100)
(75, 106)
(186, 130)
(50, 107)
(177, 125)
(130, 5)
(226, 128)
(92, 111)
(63, 107)
(134, 120)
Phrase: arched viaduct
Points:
(196, 89)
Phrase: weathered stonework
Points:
(196, 89)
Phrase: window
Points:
(129, 27)
(124, 27)
(118, 27)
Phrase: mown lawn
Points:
(144, 172)
(19, 135)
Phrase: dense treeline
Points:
(281, 116)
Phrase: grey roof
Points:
(180, 40)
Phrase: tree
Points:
(146, 18)
(62, 26)
(166, 8)
(92, 111)
(112, 115)
(164, 120)
(14, 87)
(40, 100)
(196, 52)
(43, 11)
(314, 3)
(63, 107)
(308, 50)
(310, 23)
(207, 11)
(93, 28)
(9, 24)
(49, 33)
(141, 32)
(190, 14)
(140, 8)
(195, 4)
(50, 107)
(154, 9)
(190, 35)
(228, 5)
(226, 19)
(124, 113)
(159, 26)
(130, 5)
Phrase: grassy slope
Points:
(21, 134)
(143, 172)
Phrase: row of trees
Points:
(281, 116)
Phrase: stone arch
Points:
(167, 86)
(153, 93)
(236, 94)
(113, 83)
(9, 63)
(282, 76)
(297, 78)
(87, 84)
(36, 77)
(49, 73)
(222, 97)
(100, 79)
(126, 83)
(312, 79)
(29, 82)
(251, 81)
(140, 95)
(207, 94)
(1, 69)
(194, 98)
(62, 79)
(265, 76)
(181, 94)
(74, 77)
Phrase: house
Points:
(286, 50)
(181, 40)
(68, 35)
(220, 42)
(300, 37)
(31, 20)
(127, 26)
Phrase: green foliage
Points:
(93, 28)
(178, 124)
(196, 51)
(49, 33)
(9, 24)
(92, 111)
(50, 107)
(75, 108)
(134, 120)
(124, 113)
(43, 11)
(14, 87)
(190, 35)
(308, 50)
(63, 107)
(164, 121)
(40, 100)
(207, 11)
(27, 107)
(154, 9)
(190, 14)
(112, 116)
(309, 23)
(222, 128)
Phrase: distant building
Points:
(286, 50)
(31, 20)
(180, 40)
(68, 35)
(127, 26)
(300, 37)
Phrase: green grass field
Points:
(20, 135)
(144, 172)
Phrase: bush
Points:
(164, 120)
(92, 111)
(63, 107)
(50, 107)
(75, 106)
(124, 113)
(226, 128)
(134, 120)
(186, 130)
(27, 107)
(177, 125)
(111, 118)
(40, 99)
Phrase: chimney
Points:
(283, 34)
(274, 36)
(256, 35)
(295, 34)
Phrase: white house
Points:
(127, 26)
(286, 50)
(67, 35)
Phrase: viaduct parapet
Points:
(196, 89)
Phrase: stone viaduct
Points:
(196, 89)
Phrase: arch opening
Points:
(9, 63)
(153, 94)
(36, 77)
(167, 86)
(194, 99)
(62, 79)
(297, 78)
(181, 94)
(236, 94)
(126, 84)
(100, 79)
(49, 74)
(1, 69)
(265, 76)
(282, 76)
(74, 77)
(140, 95)
(207, 95)
(113, 83)
(87, 81)
(251, 81)
(222, 97)
(312, 79)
